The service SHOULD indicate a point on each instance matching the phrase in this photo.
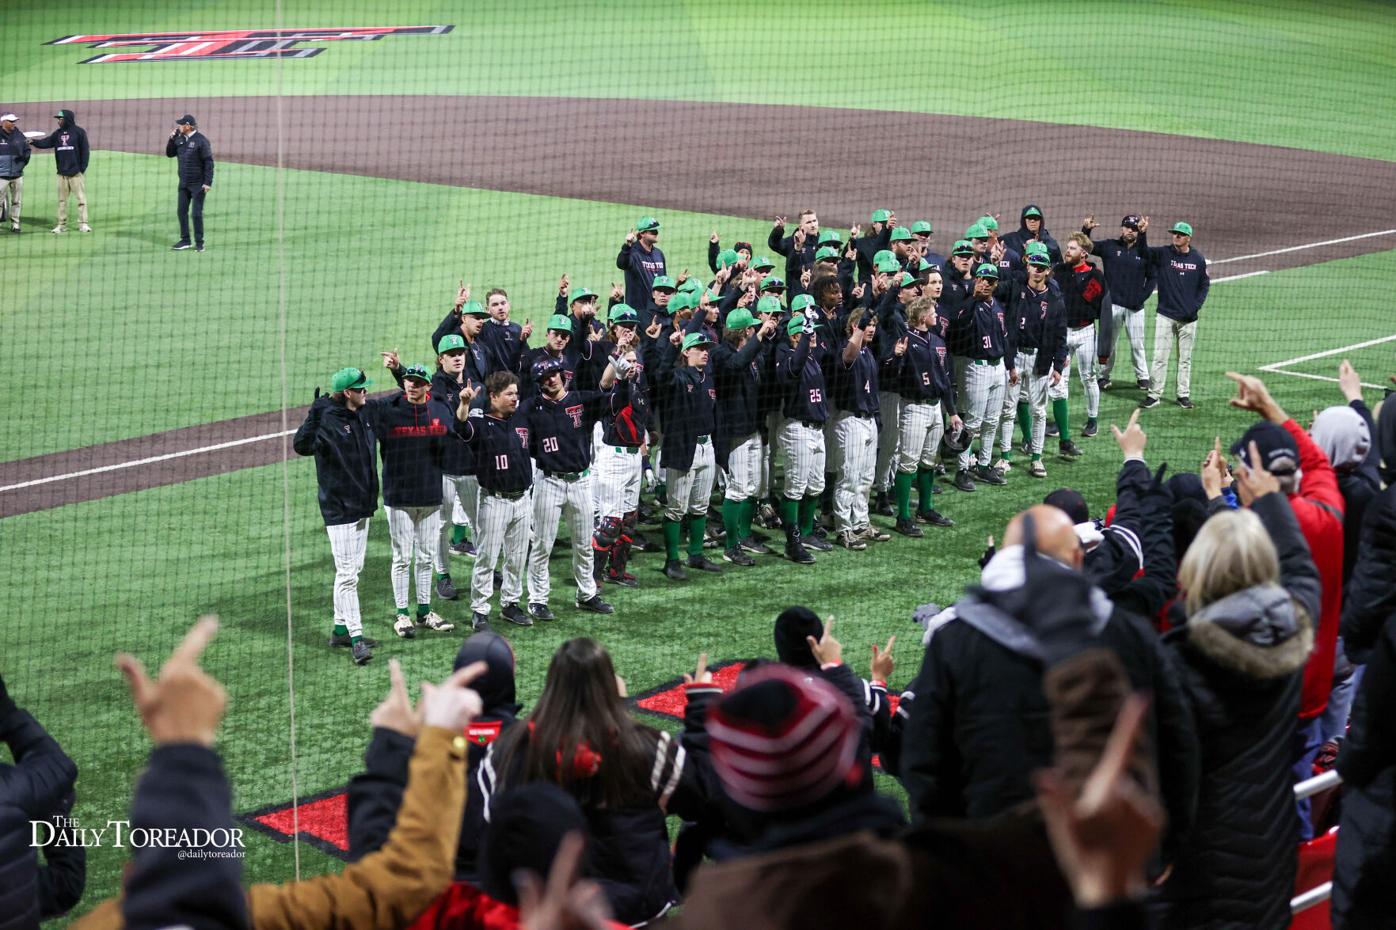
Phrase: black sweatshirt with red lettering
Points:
(411, 441)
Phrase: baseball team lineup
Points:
(804, 399)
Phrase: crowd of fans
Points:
(1105, 731)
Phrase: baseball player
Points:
(411, 429)
(559, 423)
(1037, 335)
(619, 468)
(879, 233)
(1129, 275)
(468, 319)
(979, 328)
(1084, 293)
(657, 304)
(922, 231)
(342, 442)
(687, 458)
(641, 260)
(1032, 228)
(802, 436)
(500, 447)
(1183, 283)
(501, 337)
(798, 248)
(558, 344)
(14, 155)
(742, 249)
(882, 295)
(740, 448)
(854, 448)
(923, 369)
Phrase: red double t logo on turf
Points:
(232, 44)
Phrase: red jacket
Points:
(1319, 508)
(462, 906)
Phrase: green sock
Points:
(459, 534)
(356, 639)
(440, 575)
(403, 612)
(1037, 456)
(807, 506)
(423, 610)
(673, 531)
(340, 629)
(744, 518)
(903, 483)
(1062, 418)
(732, 521)
(790, 512)
(1025, 421)
(925, 481)
(697, 530)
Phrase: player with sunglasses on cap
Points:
(1130, 277)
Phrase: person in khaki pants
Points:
(14, 155)
(70, 153)
(1183, 283)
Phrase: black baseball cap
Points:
(1279, 453)
(187, 120)
(1132, 221)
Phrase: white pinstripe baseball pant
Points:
(615, 482)
(415, 532)
(460, 495)
(1035, 388)
(555, 499)
(921, 426)
(888, 438)
(1134, 328)
(503, 528)
(689, 490)
(982, 389)
(348, 543)
(1081, 344)
(803, 449)
(855, 439)
(744, 464)
(774, 422)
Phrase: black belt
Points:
(1082, 325)
(507, 495)
(567, 475)
(861, 416)
(811, 424)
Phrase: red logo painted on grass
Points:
(233, 44)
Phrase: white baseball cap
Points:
(9, 117)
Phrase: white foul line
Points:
(1325, 354)
(1309, 245)
(146, 461)
(1238, 277)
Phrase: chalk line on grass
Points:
(1307, 245)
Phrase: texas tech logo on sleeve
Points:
(232, 44)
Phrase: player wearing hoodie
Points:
(70, 154)
(1032, 227)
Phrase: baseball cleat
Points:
(963, 481)
(737, 557)
(638, 543)
(987, 475)
(817, 543)
(437, 622)
(465, 547)
(1149, 403)
(1003, 466)
(446, 588)
(673, 570)
(404, 627)
(849, 540)
(1068, 449)
(480, 623)
(882, 505)
(1143, 384)
(84, 228)
(934, 518)
(1052, 428)
(344, 641)
(513, 614)
(1186, 403)
(870, 533)
(540, 612)
(198, 247)
(14, 228)
(703, 564)
(595, 605)
(1038, 470)
(58, 230)
(179, 246)
(361, 654)
(798, 554)
(624, 579)
(908, 528)
(1090, 429)
(1103, 383)
(754, 546)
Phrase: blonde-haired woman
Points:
(1251, 590)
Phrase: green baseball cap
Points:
(801, 303)
(417, 373)
(450, 343)
(663, 283)
(827, 254)
(560, 323)
(988, 222)
(1181, 227)
(885, 262)
(623, 313)
(473, 308)
(762, 263)
(683, 300)
(1040, 259)
(740, 318)
(347, 378)
(923, 266)
(830, 235)
(921, 226)
(1031, 212)
(646, 223)
(1036, 248)
(987, 270)
(976, 231)
(695, 340)
(962, 247)
(769, 304)
(881, 216)
(726, 258)
(901, 234)
(908, 280)
(691, 286)
(773, 282)
(581, 293)
(796, 324)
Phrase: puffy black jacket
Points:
(342, 443)
(1363, 893)
(195, 156)
(1370, 598)
(30, 789)
(1242, 660)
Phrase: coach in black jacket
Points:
(195, 156)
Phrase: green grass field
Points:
(111, 336)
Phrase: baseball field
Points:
(147, 476)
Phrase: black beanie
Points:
(792, 626)
(496, 686)
(526, 827)
(1070, 502)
